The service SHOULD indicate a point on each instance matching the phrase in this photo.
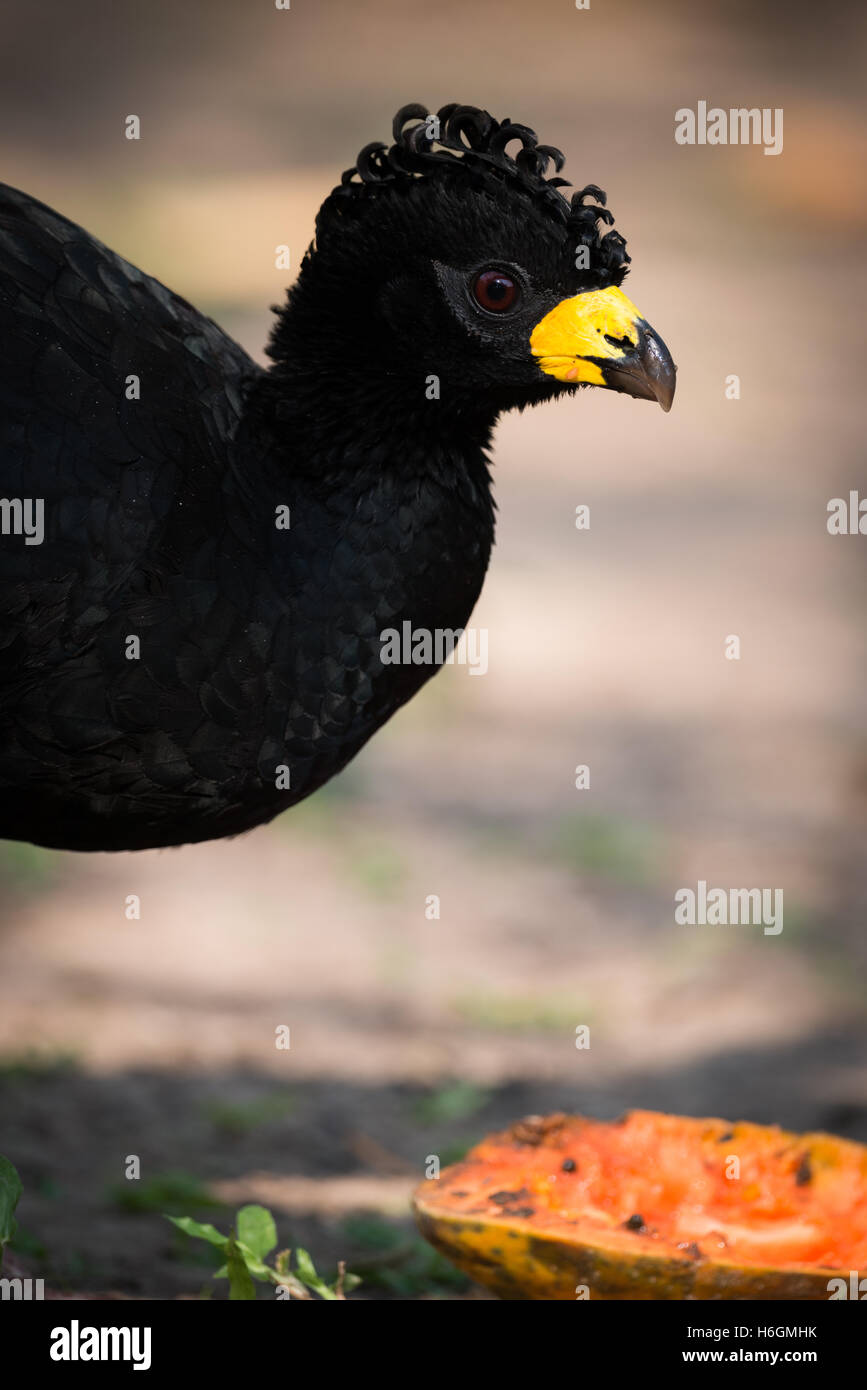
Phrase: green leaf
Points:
(240, 1283)
(202, 1229)
(256, 1230)
(257, 1267)
(10, 1191)
(306, 1271)
(258, 1271)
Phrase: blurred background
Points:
(411, 1036)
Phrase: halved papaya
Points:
(652, 1206)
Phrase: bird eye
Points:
(495, 291)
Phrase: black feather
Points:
(258, 647)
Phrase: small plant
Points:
(457, 1100)
(10, 1191)
(174, 1191)
(237, 1118)
(400, 1262)
(246, 1247)
(27, 868)
(36, 1065)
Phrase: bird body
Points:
(195, 643)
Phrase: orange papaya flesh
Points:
(651, 1206)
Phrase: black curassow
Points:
(199, 557)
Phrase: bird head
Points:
(453, 257)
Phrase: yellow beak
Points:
(599, 337)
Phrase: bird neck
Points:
(360, 422)
(342, 392)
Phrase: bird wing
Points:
(117, 399)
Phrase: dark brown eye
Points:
(495, 291)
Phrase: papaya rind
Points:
(520, 1261)
(533, 1265)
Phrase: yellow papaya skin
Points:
(512, 1218)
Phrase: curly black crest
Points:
(467, 141)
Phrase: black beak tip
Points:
(657, 366)
(646, 372)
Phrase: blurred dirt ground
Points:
(412, 1037)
